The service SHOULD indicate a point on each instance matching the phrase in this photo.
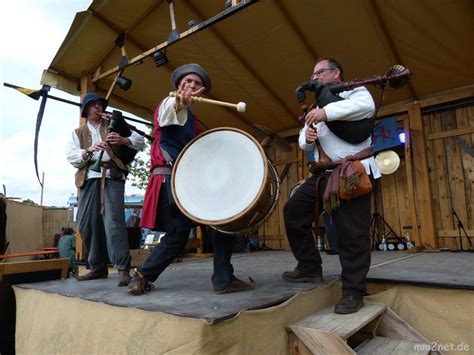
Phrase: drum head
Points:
(219, 175)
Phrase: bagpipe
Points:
(118, 124)
(354, 132)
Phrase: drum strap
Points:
(167, 156)
(161, 171)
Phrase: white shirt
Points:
(168, 117)
(358, 104)
(74, 151)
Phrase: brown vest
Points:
(85, 141)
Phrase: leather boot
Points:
(138, 285)
(300, 276)
(124, 277)
(348, 304)
(237, 285)
(94, 275)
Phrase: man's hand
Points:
(115, 138)
(185, 94)
(97, 147)
(315, 115)
(310, 135)
(107, 116)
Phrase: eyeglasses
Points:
(320, 71)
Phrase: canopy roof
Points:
(260, 54)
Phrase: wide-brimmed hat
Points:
(387, 161)
(90, 97)
(191, 68)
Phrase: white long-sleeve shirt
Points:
(74, 151)
(358, 104)
(167, 115)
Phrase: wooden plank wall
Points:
(31, 226)
(53, 220)
(24, 227)
(272, 232)
(451, 172)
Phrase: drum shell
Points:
(254, 214)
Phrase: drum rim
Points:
(248, 208)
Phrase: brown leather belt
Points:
(105, 167)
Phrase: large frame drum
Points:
(222, 178)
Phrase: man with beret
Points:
(100, 214)
(174, 126)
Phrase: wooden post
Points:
(411, 206)
(86, 86)
(422, 191)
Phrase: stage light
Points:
(124, 83)
(401, 137)
(160, 58)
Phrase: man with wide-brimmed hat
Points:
(100, 212)
(174, 127)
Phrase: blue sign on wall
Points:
(386, 134)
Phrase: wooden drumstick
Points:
(241, 106)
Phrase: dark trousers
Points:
(177, 227)
(352, 223)
(104, 234)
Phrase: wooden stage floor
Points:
(185, 289)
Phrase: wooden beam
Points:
(219, 17)
(410, 189)
(97, 75)
(290, 132)
(429, 100)
(286, 161)
(422, 180)
(34, 266)
(455, 233)
(450, 133)
(86, 85)
(137, 21)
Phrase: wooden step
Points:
(383, 346)
(344, 325)
(374, 329)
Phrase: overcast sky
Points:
(31, 32)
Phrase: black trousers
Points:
(352, 223)
(177, 227)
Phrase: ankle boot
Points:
(124, 277)
(94, 275)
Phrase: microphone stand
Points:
(461, 227)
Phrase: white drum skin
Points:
(222, 178)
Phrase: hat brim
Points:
(192, 68)
(104, 103)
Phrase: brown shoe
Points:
(348, 304)
(300, 276)
(237, 285)
(94, 275)
(124, 278)
(138, 285)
